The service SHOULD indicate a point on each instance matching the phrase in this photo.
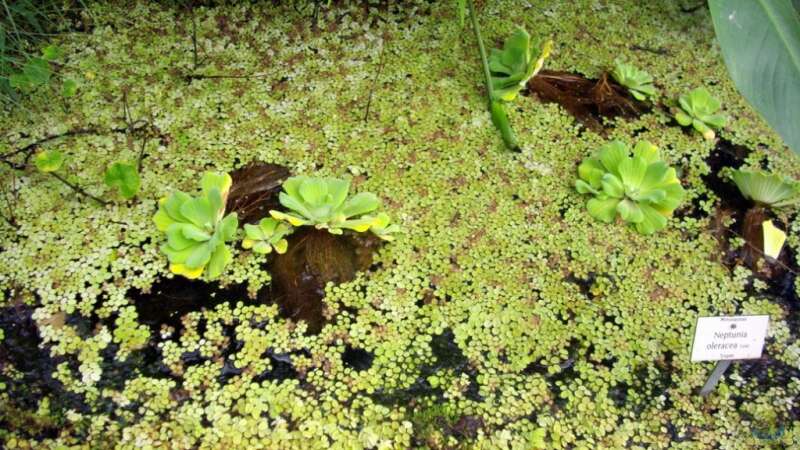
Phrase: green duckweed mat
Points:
(502, 317)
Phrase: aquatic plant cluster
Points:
(543, 298)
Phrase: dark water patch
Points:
(234, 345)
(726, 154)
(83, 326)
(561, 379)
(21, 351)
(357, 358)
(408, 396)
(767, 373)
(619, 394)
(590, 101)
(447, 352)
(142, 362)
(315, 258)
(450, 356)
(192, 358)
(282, 368)
(169, 299)
(228, 371)
(584, 284)
(694, 209)
(162, 307)
(610, 319)
(653, 381)
(682, 435)
(447, 357)
(255, 190)
(562, 211)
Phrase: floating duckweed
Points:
(503, 316)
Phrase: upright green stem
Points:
(495, 107)
(484, 59)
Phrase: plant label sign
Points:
(729, 338)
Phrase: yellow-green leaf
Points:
(774, 238)
(49, 160)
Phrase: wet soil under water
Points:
(315, 258)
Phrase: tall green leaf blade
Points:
(760, 42)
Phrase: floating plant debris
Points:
(255, 190)
(589, 101)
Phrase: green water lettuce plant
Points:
(641, 188)
(766, 189)
(197, 228)
(124, 177)
(699, 109)
(638, 82)
(267, 235)
(518, 61)
(382, 227)
(324, 204)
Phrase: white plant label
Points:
(729, 338)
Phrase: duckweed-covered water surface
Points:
(396, 277)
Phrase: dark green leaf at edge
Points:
(760, 41)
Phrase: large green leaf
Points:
(760, 42)
(124, 177)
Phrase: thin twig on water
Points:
(79, 189)
(374, 82)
